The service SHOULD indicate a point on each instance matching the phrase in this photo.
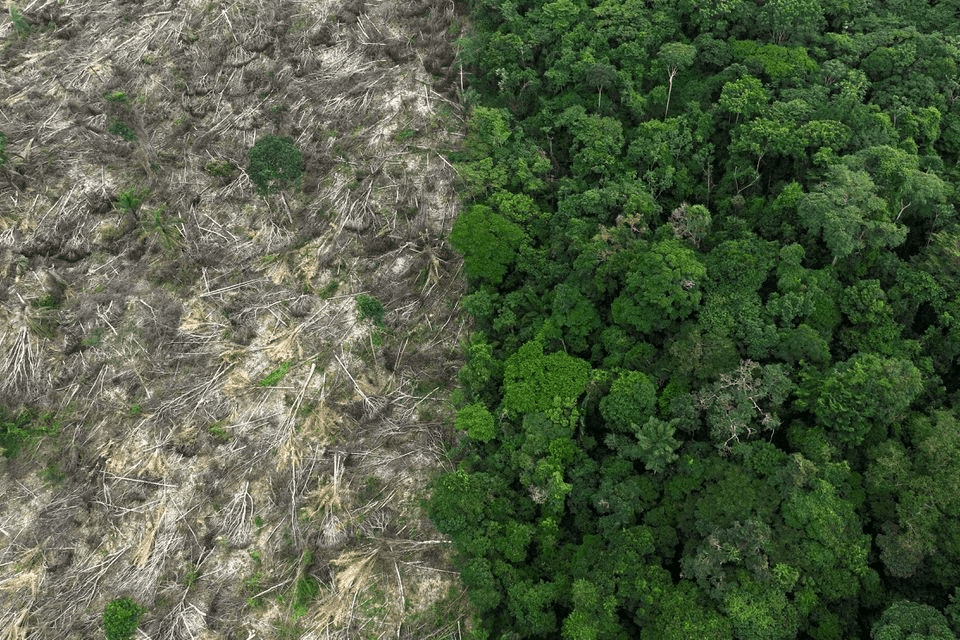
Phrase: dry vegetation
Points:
(233, 444)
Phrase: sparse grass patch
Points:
(276, 375)
(369, 308)
(404, 135)
(218, 433)
(20, 25)
(372, 487)
(220, 168)
(52, 475)
(192, 576)
(329, 289)
(442, 616)
(93, 339)
(49, 301)
(252, 586)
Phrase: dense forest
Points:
(713, 259)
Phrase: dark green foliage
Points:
(120, 619)
(131, 199)
(662, 288)
(714, 263)
(914, 488)
(3, 148)
(274, 163)
(905, 620)
(863, 393)
(631, 401)
(477, 422)
(532, 380)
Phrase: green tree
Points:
(799, 21)
(477, 422)
(745, 97)
(532, 379)
(905, 620)
(652, 443)
(573, 317)
(675, 56)
(744, 402)
(489, 243)
(863, 393)
(850, 216)
(662, 288)
(632, 400)
(914, 488)
(691, 222)
(597, 144)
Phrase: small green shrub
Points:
(52, 476)
(164, 228)
(307, 589)
(191, 578)
(252, 586)
(131, 199)
(369, 308)
(48, 301)
(116, 97)
(119, 128)
(274, 164)
(120, 619)
(3, 148)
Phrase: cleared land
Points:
(243, 396)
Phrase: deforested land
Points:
(229, 321)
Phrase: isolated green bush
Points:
(3, 148)
(120, 619)
(274, 164)
(120, 128)
(369, 308)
